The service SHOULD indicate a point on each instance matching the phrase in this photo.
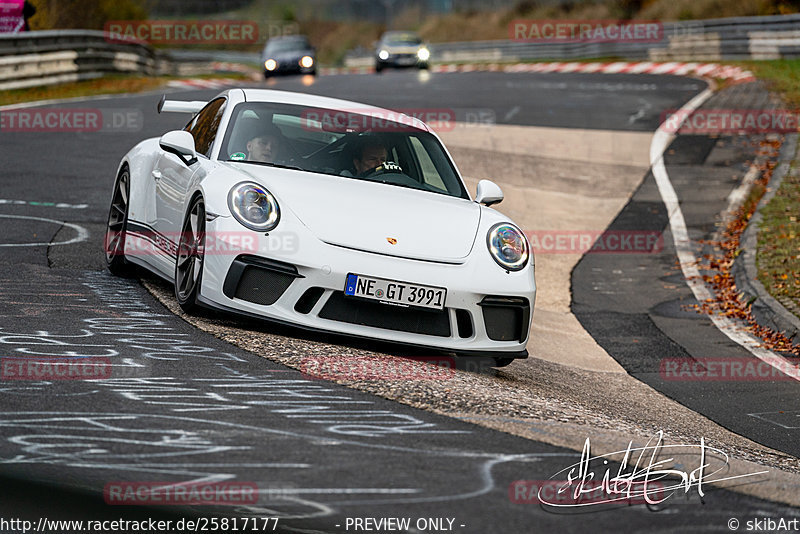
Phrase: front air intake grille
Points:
(261, 286)
(506, 318)
(464, 324)
(258, 280)
(309, 299)
(366, 313)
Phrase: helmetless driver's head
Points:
(369, 154)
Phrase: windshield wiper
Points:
(268, 164)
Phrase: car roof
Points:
(303, 99)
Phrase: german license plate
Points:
(394, 292)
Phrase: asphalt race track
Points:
(183, 405)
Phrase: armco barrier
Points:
(771, 37)
(47, 57)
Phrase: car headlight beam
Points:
(306, 62)
(254, 207)
(270, 64)
(383, 54)
(508, 246)
(423, 54)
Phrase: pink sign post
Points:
(11, 16)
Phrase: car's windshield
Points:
(380, 146)
(286, 46)
(402, 39)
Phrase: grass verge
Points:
(780, 75)
(778, 256)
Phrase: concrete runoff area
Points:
(601, 169)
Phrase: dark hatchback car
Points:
(287, 55)
(401, 49)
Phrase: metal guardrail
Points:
(48, 57)
(40, 58)
(184, 55)
(771, 37)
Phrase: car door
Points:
(173, 176)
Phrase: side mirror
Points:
(180, 143)
(488, 193)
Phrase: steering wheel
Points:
(383, 168)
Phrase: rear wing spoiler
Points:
(179, 106)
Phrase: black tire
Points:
(267, 75)
(189, 263)
(114, 242)
(424, 66)
(502, 362)
(378, 68)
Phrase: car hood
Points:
(375, 217)
(289, 55)
(401, 49)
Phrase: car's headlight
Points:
(423, 54)
(383, 54)
(508, 246)
(254, 207)
(306, 62)
(271, 64)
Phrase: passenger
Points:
(265, 146)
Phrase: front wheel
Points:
(502, 362)
(191, 252)
(117, 225)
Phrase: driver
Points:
(369, 154)
(265, 146)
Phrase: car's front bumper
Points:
(290, 67)
(292, 277)
(401, 60)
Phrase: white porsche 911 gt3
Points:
(324, 214)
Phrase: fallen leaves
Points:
(728, 301)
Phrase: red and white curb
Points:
(713, 70)
(645, 67)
